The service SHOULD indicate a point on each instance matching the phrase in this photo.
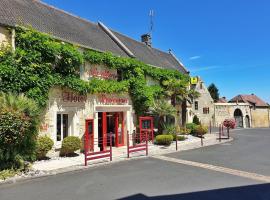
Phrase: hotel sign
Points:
(101, 73)
(73, 97)
(111, 100)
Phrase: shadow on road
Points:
(253, 192)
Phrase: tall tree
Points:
(213, 90)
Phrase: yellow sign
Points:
(194, 80)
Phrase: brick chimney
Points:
(146, 38)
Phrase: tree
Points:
(162, 108)
(213, 90)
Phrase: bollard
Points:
(146, 151)
(176, 142)
(219, 132)
(127, 144)
(110, 146)
(210, 127)
(228, 131)
(201, 140)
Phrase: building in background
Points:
(259, 110)
(202, 107)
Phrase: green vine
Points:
(40, 62)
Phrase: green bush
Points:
(191, 127)
(200, 130)
(185, 131)
(19, 122)
(70, 144)
(196, 120)
(164, 139)
(179, 137)
(44, 145)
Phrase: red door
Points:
(119, 129)
(89, 134)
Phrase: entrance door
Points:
(238, 116)
(119, 129)
(104, 130)
(89, 134)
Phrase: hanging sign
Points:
(194, 80)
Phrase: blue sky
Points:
(224, 42)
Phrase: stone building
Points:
(249, 111)
(69, 113)
(202, 107)
(258, 108)
(227, 110)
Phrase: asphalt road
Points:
(151, 178)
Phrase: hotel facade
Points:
(69, 113)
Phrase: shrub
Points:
(19, 122)
(185, 131)
(196, 120)
(200, 130)
(70, 144)
(179, 137)
(164, 139)
(44, 145)
(191, 127)
(169, 129)
(7, 173)
(229, 123)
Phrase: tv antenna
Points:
(151, 15)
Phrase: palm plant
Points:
(179, 92)
(161, 108)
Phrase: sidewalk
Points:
(120, 154)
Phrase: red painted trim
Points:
(149, 131)
(90, 142)
(98, 157)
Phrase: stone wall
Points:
(5, 36)
(226, 111)
(260, 117)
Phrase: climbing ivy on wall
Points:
(41, 62)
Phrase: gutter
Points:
(172, 54)
(116, 40)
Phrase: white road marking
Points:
(254, 176)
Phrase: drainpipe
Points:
(251, 119)
(269, 116)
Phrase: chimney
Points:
(146, 38)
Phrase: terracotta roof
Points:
(222, 100)
(71, 28)
(252, 99)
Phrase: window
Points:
(206, 110)
(201, 86)
(119, 75)
(196, 105)
(61, 126)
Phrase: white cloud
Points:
(194, 57)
